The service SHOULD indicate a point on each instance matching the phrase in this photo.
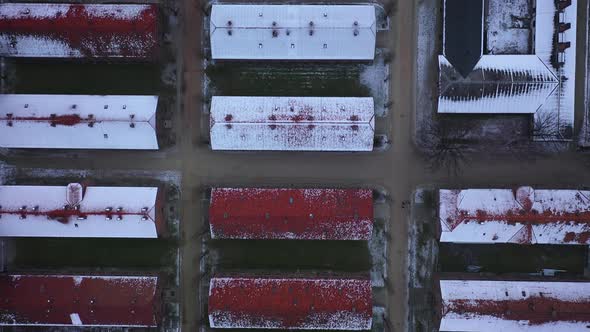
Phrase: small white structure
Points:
(514, 306)
(292, 123)
(524, 216)
(293, 32)
(75, 211)
(78, 122)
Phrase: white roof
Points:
(292, 123)
(118, 122)
(340, 32)
(489, 305)
(544, 87)
(524, 215)
(518, 84)
(44, 215)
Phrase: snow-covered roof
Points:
(292, 123)
(524, 215)
(79, 300)
(301, 214)
(78, 122)
(290, 303)
(541, 83)
(514, 306)
(77, 211)
(293, 32)
(517, 84)
(79, 31)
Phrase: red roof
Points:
(290, 303)
(303, 214)
(79, 31)
(123, 301)
(514, 305)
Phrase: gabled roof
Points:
(292, 123)
(524, 216)
(299, 214)
(293, 32)
(517, 84)
(79, 31)
(541, 83)
(79, 300)
(78, 122)
(77, 211)
(290, 303)
(514, 306)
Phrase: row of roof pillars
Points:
(311, 24)
(325, 15)
(296, 118)
(75, 208)
(75, 106)
(275, 33)
(65, 120)
(68, 211)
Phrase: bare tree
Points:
(445, 146)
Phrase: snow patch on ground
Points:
(373, 77)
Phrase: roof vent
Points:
(74, 194)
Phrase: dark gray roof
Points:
(463, 29)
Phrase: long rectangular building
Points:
(78, 122)
(299, 214)
(77, 211)
(523, 215)
(292, 123)
(79, 300)
(293, 32)
(514, 306)
(92, 31)
(290, 303)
